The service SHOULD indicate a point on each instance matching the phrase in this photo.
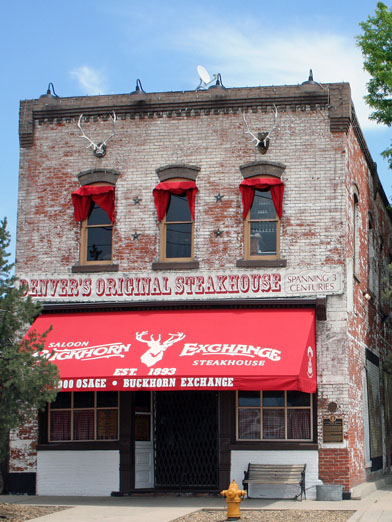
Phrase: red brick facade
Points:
(327, 171)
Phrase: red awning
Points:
(253, 349)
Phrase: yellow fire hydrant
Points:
(233, 498)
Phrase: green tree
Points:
(376, 46)
(27, 381)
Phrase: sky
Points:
(87, 47)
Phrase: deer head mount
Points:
(99, 149)
(262, 139)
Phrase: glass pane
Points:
(99, 243)
(248, 398)
(179, 240)
(84, 425)
(60, 425)
(298, 424)
(142, 401)
(105, 399)
(142, 427)
(273, 398)
(262, 206)
(83, 399)
(273, 424)
(178, 209)
(107, 424)
(248, 424)
(297, 398)
(263, 238)
(97, 216)
(63, 400)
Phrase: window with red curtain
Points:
(94, 206)
(262, 200)
(175, 205)
(101, 195)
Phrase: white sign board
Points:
(174, 286)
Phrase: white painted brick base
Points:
(78, 473)
(241, 459)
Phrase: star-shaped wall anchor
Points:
(135, 235)
(218, 197)
(137, 200)
(218, 232)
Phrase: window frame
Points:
(84, 228)
(163, 233)
(247, 231)
(356, 235)
(72, 410)
(286, 408)
(147, 414)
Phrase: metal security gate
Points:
(186, 440)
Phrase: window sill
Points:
(80, 445)
(175, 265)
(272, 445)
(267, 263)
(84, 269)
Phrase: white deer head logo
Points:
(156, 349)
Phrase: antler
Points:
(275, 121)
(170, 341)
(263, 138)
(100, 148)
(92, 144)
(248, 131)
(114, 119)
(140, 335)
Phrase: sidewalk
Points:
(375, 507)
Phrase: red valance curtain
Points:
(101, 195)
(248, 187)
(163, 190)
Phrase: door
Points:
(144, 450)
(186, 440)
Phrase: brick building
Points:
(215, 293)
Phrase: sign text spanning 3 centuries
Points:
(183, 285)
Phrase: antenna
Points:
(205, 78)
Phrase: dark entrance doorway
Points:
(186, 440)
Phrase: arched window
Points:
(175, 201)
(372, 265)
(262, 206)
(175, 204)
(94, 208)
(356, 243)
(262, 209)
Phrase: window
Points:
(262, 227)
(274, 415)
(96, 239)
(262, 208)
(372, 262)
(177, 229)
(77, 416)
(94, 207)
(175, 204)
(356, 219)
(143, 416)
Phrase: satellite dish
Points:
(205, 78)
(203, 73)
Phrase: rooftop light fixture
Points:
(49, 96)
(139, 88)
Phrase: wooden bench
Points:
(291, 474)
